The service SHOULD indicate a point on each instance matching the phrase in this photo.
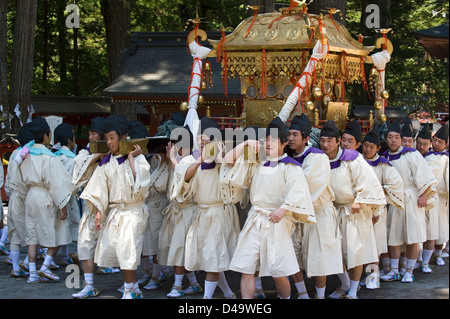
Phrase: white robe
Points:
(392, 184)
(16, 192)
(353, 181)
(319, 250)
(113, 188)
(87, 232)
(213, 233)
(73, 210)
(156, 202)
(407, 226)
(49, 190)
(172, 235)
(263, 246)
(437, 222)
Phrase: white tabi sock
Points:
(191, 277)
(301, 287)
(210, 287)
(47, 261)
(89, 279)
(345, 280)
(426, 255)
(320, 292)
(178, 280)
(4, 234)
(128, 286)
(394, 264)
(223, 285)
(410, 263)
(353, 288)
(15, 255)
(32, 269)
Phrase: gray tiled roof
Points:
(158, 65)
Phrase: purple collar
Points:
(393, 157)
(108, 157)
(379, 160)
(347, 155)
(286, 160)
(301, 158)
(203, 166)
(436, 153)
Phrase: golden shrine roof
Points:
(290, 31)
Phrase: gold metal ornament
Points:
(203, 86)
(317, 92)
(382, 118)
(377, 105)
(201, 99)
(309, 106)
(384, 94)
(183, 106)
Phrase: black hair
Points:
(39, 137)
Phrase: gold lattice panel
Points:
(261, 112)
(284, 64)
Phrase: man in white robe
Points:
(280, 196)
(119, 186)
(64, 135)
(407, 226)
(85, 164)
(358, 196)
(49, 191)
(423, 146)
(318, 246)
(392, 184)
(177, 220)
(16, 192)
(156, 202)
(439, 140)
(212, 236)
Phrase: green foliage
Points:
(412, 79)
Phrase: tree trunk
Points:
(317, 6)
(22, 56)
(116, 14)
(62, 46)
(45, 44)
(75, 62)
(3, 59)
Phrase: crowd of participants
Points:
(368, 208)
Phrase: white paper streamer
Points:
(319, 52)
(198, 53)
